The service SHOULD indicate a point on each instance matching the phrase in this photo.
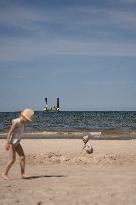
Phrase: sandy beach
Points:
(61, 174)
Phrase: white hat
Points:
(85, 138)
(28, 114)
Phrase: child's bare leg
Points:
(12, 154)
(21, 154)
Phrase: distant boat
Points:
(51, 109)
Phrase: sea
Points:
(109, 123)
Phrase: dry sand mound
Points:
(57, 158)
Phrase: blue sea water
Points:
(75, 121)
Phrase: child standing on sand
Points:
(87, 145)
(13, 141)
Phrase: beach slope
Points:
(61, 174)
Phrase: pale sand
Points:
(62, 175)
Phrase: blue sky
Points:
(82, 51)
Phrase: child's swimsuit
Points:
(18, 132)
(88, 148)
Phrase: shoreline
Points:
(77, 135)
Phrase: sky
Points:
(82, 51)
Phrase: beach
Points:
(60, 173)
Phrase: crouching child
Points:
(87, 145)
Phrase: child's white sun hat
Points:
(28, 114)
(86, 138)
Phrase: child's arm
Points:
(13, 127)
(83, 147)
(9, 136)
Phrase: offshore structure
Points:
(52, 109)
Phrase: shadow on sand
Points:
(43, 176)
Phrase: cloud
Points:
(127, 1)
(34, 18)
(68, 31)
(19, 77)
(17, 50)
